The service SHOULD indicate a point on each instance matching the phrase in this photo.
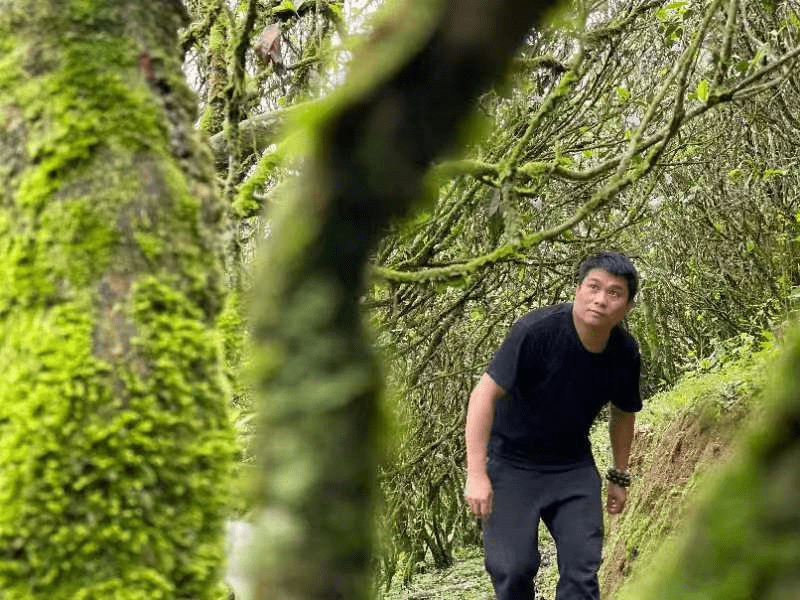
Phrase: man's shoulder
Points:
(626, 343)
(545, 318)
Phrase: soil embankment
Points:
(683, 436)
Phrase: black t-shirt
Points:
(555, 388)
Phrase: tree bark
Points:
(115, 443)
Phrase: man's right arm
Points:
(480, 414)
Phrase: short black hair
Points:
(616, 264)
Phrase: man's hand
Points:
(480, 414)
(617, 495)
(478, 493)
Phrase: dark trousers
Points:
(569, 504)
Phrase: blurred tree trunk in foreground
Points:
(408, 93)
(115, 443)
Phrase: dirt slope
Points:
(682, 435)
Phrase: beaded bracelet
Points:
(619, 477)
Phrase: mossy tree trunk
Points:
(319, 386)
(115, 443)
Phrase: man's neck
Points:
(592, 338)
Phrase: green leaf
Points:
(770, 173)
(335, 12)
(565, 161)
(421, 217)
(622, 93)
(702, 90)
(284, 7)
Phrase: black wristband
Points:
(619, 477)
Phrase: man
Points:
(530, 415)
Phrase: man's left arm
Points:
(620, 429)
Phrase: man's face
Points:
(601, 299)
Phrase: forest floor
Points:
(466, 580)
(681, 436)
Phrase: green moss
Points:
(67, 243)
(102, 468)
(58, 447)
(115, 442)
(70, 132)
(69, 109)
(213, 118)
(234, 338)
(245, 202)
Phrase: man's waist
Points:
(539, 456)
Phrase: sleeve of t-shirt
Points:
(503, 368)
(629, 397)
